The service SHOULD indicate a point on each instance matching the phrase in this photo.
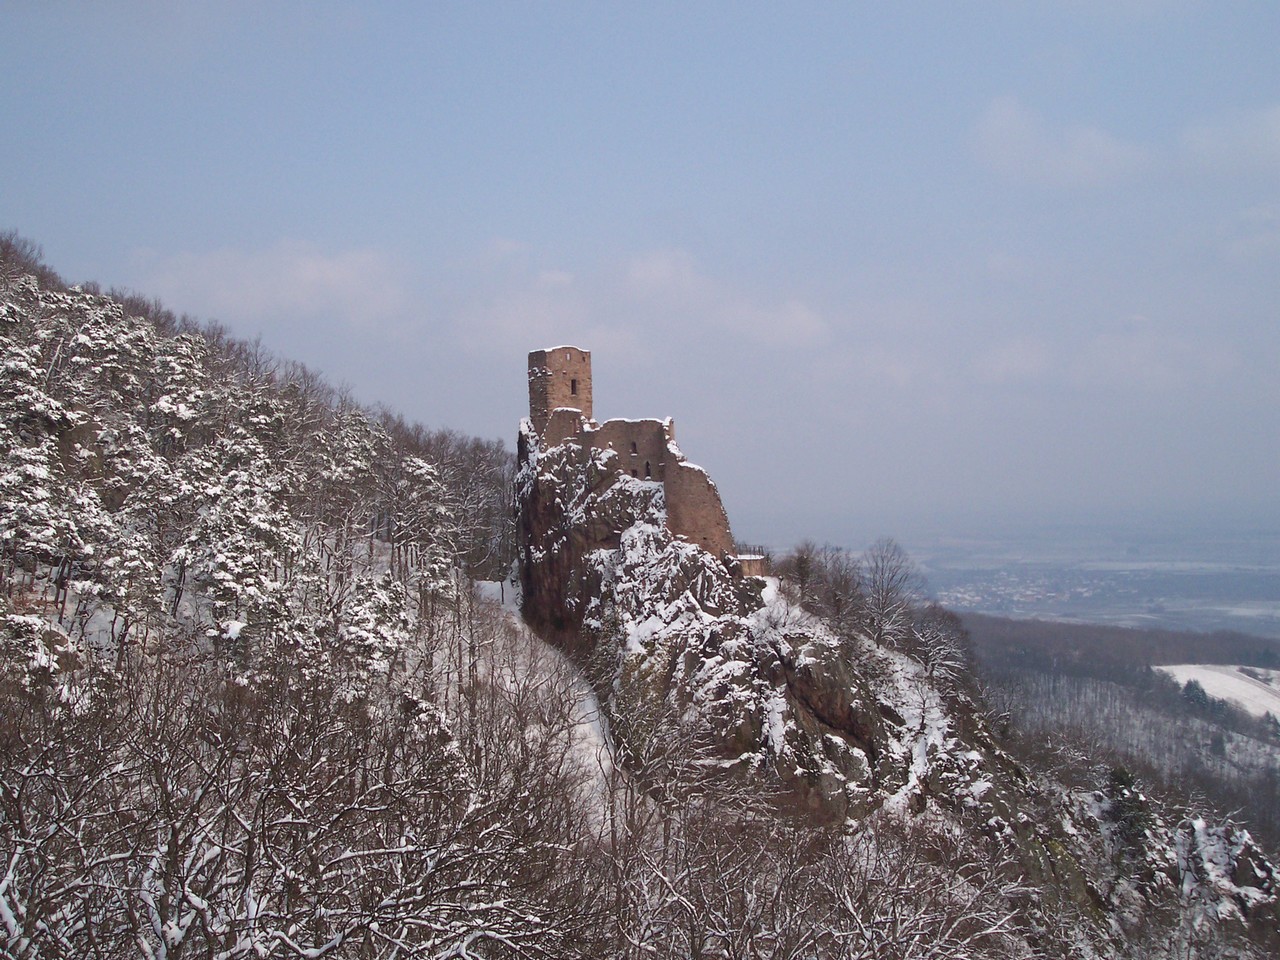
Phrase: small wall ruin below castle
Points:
(564, 423)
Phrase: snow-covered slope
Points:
(678, 645)
(251, 706)
(244, 706)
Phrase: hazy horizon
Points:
(922, 272)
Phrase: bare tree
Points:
(799, 572)
(893, 587)
(842, 593)
(939, 640)
(917, 890)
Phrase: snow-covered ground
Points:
(527, 659)
(1258, 694)
(502, 592)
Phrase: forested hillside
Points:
(1077, 704)
(254, 703)
(241, 707)
(1091, 691)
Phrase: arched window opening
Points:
(633, 447)
(647, 472)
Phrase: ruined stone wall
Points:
(558, 377)
(646, 450)
(560, 408)
(641, 446)
(694, 509)
(564, 424)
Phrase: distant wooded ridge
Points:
(1102, 651)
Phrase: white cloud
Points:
(554, 280)
(506, 298)
(872, 375)
(636, 305)
(1004, 266)
(663, 273)
(1246, 140)
(1016, 361)
(289, 281)
(534, 312)
(1017, 142)
(668, 281)
(1255, 234)
(882, 367)
(1140, 356)
(1125, 11)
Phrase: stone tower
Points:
(558, 377)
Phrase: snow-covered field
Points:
(1258, 691)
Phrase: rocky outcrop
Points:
(658, 620)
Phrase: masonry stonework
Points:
(642, 445)
(694, 509)
(559, 377)
(560, 409)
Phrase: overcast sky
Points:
(892, 267)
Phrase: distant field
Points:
(1258, 691)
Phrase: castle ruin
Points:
(560, 409)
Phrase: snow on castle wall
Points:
(642, 445)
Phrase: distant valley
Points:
(1199, 583)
